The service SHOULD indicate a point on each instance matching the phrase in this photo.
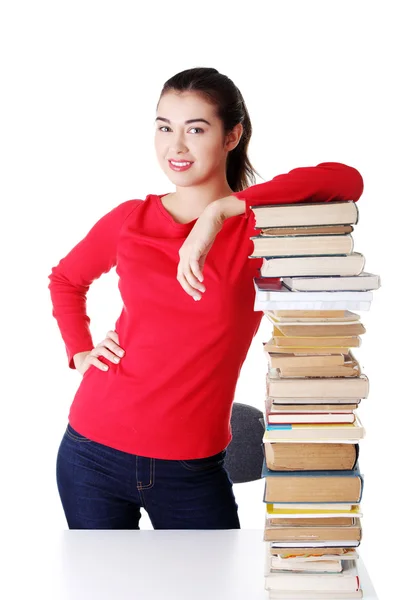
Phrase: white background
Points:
(80, 83)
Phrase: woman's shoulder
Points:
(124, 209)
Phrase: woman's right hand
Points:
(109, 348)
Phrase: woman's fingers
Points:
(184, 281)
(192, 279)
(97, 363)
(196, 270)
(113, 335)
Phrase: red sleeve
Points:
(70, 279)
(327, 181)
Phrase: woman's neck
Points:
(187, 204)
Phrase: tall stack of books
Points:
(310, 283)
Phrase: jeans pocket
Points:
(74, 435)
(204, 464)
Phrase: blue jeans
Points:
(104, 488)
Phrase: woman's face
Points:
(201, 141)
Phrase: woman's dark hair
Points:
(231, 109)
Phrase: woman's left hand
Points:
(194, 250)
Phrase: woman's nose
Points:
(178, 143)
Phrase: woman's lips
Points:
(185, 165)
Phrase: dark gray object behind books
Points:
(245, 453)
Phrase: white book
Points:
(346, 581)
(362, 282)
(263, 305)
(307, 595)
(329, 563)
(313, 433)
(315, 400)
(315, 417)
(287, 295)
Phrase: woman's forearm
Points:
(227, 207)
(323, 183)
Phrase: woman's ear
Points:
(233, 137)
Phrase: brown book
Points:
(310, 521)
(293, 456)
(332, 408)
(312, 315)
(309, 387)
(272, 347)
(313, 230)
(350, 368)
(306, 214)
(314, 342)
(306, 487)
(311, 533)
(321, 329)
(279, 361)
(307, 245)
(339, 551)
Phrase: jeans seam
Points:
(152, 476)
(75, 437)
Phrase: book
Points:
(314, 545)
(261, 305)
(300, 513)
(324, 565)
(347, 580)
(300, 521)
(332, 408)
(306, 214)
(315, 432)
(319, 329)
(309, 554)
(315, 548)
(307, 245)
(272, 347)
(363, 282)
(317, 401)
(296, 361)
(316, 417)
(271, 297)
(310, 457)
(344, 486)
(273, 291)
(349, 368)
(314, 532)
(293, 317)
(304, 230)
(280, 339)
(296, 266)
(342, 506)
(309, 387)
(307, 595)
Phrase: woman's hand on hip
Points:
(194, 250)
(109, 347)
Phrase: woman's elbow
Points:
(356, 182)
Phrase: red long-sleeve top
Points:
(171, 394)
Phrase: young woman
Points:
(150, 421)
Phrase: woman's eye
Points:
(166, 127)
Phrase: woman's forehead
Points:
(183, 106)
